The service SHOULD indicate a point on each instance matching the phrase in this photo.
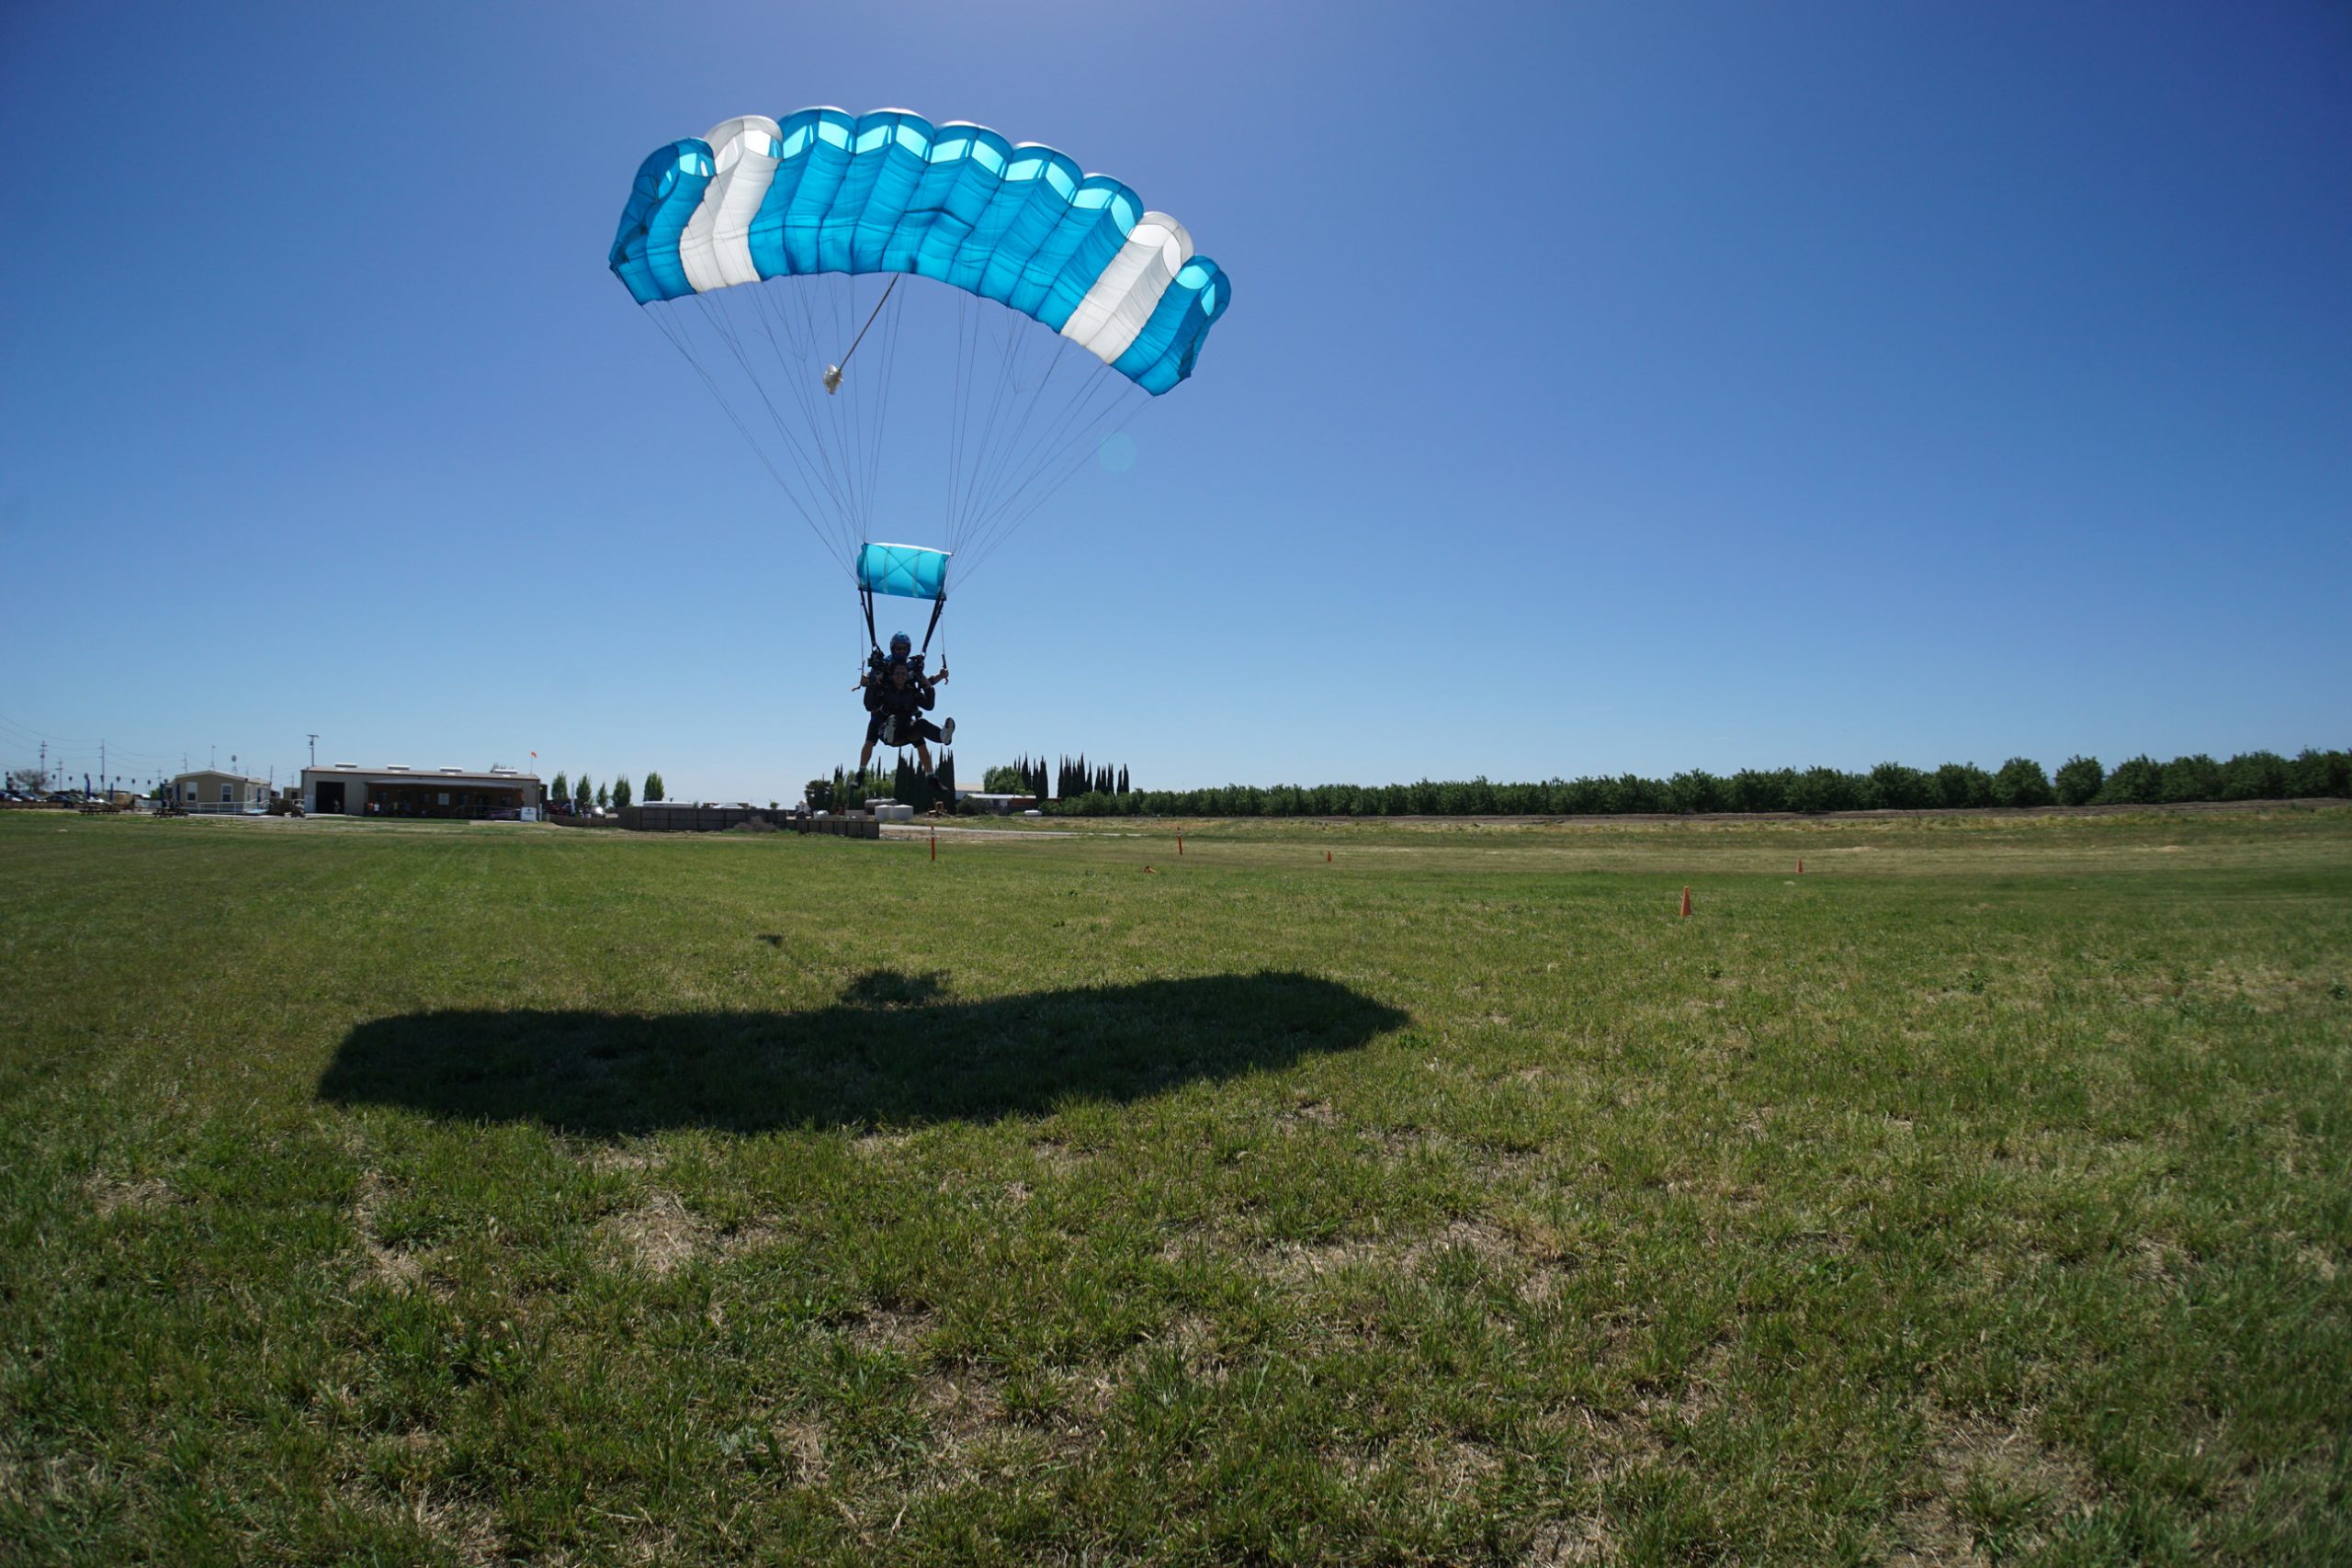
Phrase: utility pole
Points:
(314, 750)
(102, 764)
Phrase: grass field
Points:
(383, 1194)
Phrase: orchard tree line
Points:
(2019, 782)
(566, 794)
(1072, 777)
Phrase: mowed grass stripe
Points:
(458, 1195)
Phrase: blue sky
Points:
(1606, 387)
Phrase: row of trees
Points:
(850, 790)
(1072, 777)
(2019, 782)
(580, 796)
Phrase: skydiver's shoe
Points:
(947, 733)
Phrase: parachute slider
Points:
(906, 571)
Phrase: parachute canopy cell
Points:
(824, 190)
(907, 571)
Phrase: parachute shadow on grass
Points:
(894, 1051)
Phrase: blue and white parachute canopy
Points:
(825, 190)
(907, 571)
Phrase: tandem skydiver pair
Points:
(898, 694)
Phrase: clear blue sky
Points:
(1629, 387)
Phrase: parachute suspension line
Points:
(759, 449)
(803, 397)
(966, 344)
(847, 425)
(833, 374)
(891, 336)
(936, 607)
(856, 463)
(1123, 402)
(1050, 447)
(810, 471)
(1018, 455)
(964, 506)
(1000, 453)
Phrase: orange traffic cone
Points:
(1800, 865)
(1327, 857)
(1685, 903)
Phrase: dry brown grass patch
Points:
(108, 1194)
(884, 1328)
(659, 1236)
(396, 1267)
(1965, 1448)
(617, 1158)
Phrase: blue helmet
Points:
(900, 645)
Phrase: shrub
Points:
(1962, 786)
(1696, 791)
(1891, 785)
(2256, 775)
(2314, 774)
(1894, 787)
(2136, 782)
(1752, 790)
(1825, 789)
(2197, 777)
(2021, 782)
(2080, 781)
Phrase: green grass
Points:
(375, 1193)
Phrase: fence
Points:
(685, 816)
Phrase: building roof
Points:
(396, 772)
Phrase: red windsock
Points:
(1180, 843)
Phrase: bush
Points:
(2315, 774)
(1756, 791)
(2080, 781)
(1963, 786)
(1696, 791)
(1826, 789)
(1893, 787)
(2190, 778)
(2256, 775)
(2021, 782)
(2136, 782)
